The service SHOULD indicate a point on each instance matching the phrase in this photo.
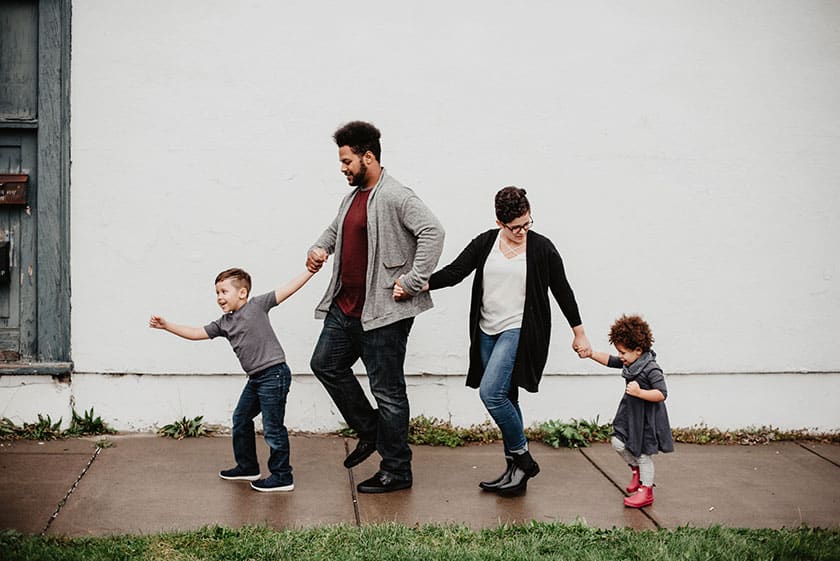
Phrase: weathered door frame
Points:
(52, 205)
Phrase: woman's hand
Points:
(400, 293)
(580, 344)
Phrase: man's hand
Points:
(315, 259)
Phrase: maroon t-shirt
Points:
(351, 297)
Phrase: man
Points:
(383, 235)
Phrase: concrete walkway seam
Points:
(617, 486)
(63, 501)
(814, 452)
(353, 494)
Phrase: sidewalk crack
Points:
(817, 454)
(63, 501)
(617, 486)
(353, 493)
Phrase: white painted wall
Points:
(135, 402)
(683, 156)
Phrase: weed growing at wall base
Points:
(579, 433)
(185, 428)
(46, 429)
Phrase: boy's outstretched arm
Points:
(283, 292)
(185, 331)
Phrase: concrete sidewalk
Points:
(147, 484)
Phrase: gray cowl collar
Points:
(630, 372)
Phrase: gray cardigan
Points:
(404, 237)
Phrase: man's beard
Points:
(359, 178)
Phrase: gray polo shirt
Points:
(250, 334)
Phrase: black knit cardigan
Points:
(544, 272)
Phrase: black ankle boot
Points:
(524, 468)
(501, 480)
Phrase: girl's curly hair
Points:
(631, 332)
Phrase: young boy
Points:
(641, 427)
(246, 325)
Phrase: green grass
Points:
(395, 542)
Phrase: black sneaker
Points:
(274, 483)
(383, 482)
(239, 474)
(363, 450)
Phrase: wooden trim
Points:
(18, 124)
(30, 368)
(52, 207)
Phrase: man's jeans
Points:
(498, 355)
(341, 344)
(264, 393)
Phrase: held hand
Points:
(400, 293)
(581, 346)
(157, 322)
(315, 259)
(633, 389)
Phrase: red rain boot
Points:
(634, 482)
(643, 497)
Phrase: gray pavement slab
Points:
(148, 484)
(765, 486)
(35, 477)
(446, 490)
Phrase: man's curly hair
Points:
(360, 137)
(631, 332)
(511, 203)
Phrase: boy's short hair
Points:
(360, 137)
(511, 203)
(631, 332)
(239, 276)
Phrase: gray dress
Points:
(642, 425)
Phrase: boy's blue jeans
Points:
(265, 392)
(382, 350)
(498, 355)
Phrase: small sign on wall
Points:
(13, 189)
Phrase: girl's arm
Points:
(658, 390)
(653, 396)
(599, 357)
(283, 292)
(185, 331)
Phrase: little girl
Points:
(640, 427)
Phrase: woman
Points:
(510, 322)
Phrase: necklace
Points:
(510, 251)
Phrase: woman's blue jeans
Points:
(498, 355)
(382, 350)
(265, 392)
